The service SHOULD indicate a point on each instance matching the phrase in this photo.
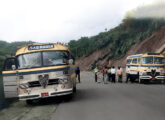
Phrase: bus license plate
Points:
(45, 94)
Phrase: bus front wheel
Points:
(29, 102)
(74, 89)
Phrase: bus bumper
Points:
(48, 94)
(156, 78)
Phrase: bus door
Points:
(10, 78)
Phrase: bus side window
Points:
(128, 61)
(163, 61)
(134, 61)
(10, 64)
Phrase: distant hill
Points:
(9, 49)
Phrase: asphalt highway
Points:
(119, 101)
(95, 101)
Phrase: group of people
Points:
(108, 74)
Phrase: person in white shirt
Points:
(113, 74)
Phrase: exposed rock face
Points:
(85, 62)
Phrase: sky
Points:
(61, 20)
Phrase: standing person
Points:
(105, 72)
(119, 74)
(95, 71)
(78, 73)
(113, 74)
(127, 74)
(99, 76)
(109, 74)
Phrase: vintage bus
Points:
(149, 67)
(39, 71)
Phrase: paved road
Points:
(95, 101)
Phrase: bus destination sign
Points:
(38, 47)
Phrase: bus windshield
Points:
(153, 60)
(55, 58)
(40, 59)
(29, 60)
(159, 60)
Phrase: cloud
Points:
(154, 10)
(60, 20)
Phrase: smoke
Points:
(154, 10)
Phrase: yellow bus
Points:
(39, 71)
(149, 67)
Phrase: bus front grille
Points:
(37, 83)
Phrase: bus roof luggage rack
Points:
(153, 53)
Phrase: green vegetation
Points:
(8, 49)
(1, 93)
(121, 38)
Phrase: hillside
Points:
(115, 44)
(154, 43)
(142, 30)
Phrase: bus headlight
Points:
(24, 86)
(63, 81)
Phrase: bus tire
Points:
(29, 102)
(68, 98)
(74, 89)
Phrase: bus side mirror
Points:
(13, 67)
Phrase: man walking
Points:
(78, 73)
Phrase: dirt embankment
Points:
(154, 43)
(85, 62)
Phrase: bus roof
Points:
(134, 56)
(145, 55)
(37, 47)
(153, 54)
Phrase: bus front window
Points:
(29, 60)
(55, 58)
(147, 60)
(158, 60)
